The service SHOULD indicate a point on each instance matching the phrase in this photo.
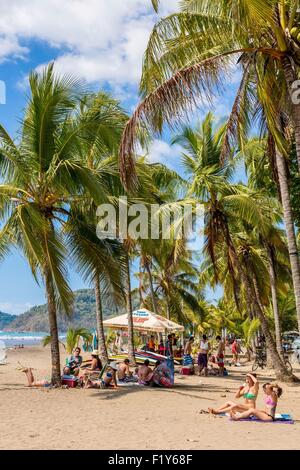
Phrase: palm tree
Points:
(251, 272)
(72, 338)
(43, 175)
(188, 55)
(97, 153)
(127, 246)
(175, 280)
(228, 209)
(188, 52)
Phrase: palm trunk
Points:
(154, 305)
(272, 274)
(168, 310)
(290, 229)
(290, 78)
(131, 354)
(279, 367)
(99, 319)
(141, 286)
(252, 347)
(51, 305)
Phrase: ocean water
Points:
(23, 338)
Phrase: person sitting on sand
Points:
(249, 391)
(109, 379)
(123, 370)
(73, 363)
(145, 373)
(124, 374)
(162, 375)
(95, 364)
(272, 393)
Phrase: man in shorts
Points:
(73, 364)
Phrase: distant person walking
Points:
(235, 349)
(203, 355)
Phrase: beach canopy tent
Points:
(144, 320)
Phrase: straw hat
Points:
(95, 352)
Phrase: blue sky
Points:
(103, 43)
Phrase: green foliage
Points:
(73, 337)
(83, 314)
(6, 319)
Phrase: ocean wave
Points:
(24, 338)
(20, 338)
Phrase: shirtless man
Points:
(145, 373)
(187, 355)
(220, 355)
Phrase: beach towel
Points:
(187, 360)
(279, 418)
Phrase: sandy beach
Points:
(133, 417)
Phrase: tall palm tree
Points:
(227, 208)
(127, 246)
(97, 153)
(187, 59)
(175, 280)
(252, 267)
(43, 175)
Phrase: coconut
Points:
(294, 32)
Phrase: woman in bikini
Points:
(109, 379)
(272, 393)
(249, 391)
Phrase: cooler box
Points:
(70, 381)
(187, 371)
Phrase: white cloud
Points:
(100, 40)
(162, 152)
(9, 47)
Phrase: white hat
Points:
(113, 365)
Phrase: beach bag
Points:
(165, 382)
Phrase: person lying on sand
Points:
(73, 363)
(31, 380)
(249, 391)
(109, 379)
(145, 373)
(272, 393)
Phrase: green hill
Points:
(36, 319)
(6, 319)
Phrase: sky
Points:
(101, 42)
